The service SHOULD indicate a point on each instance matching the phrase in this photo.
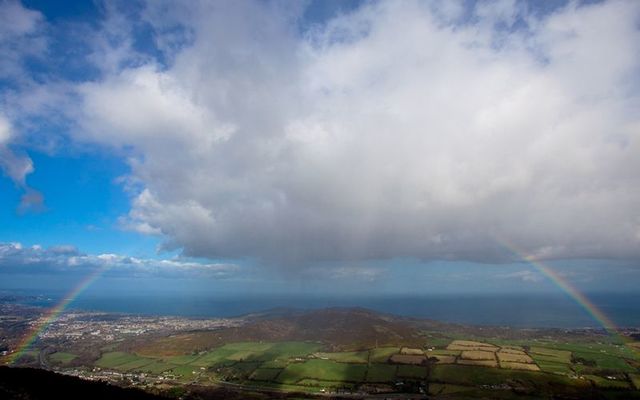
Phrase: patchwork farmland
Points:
(303, 355)
(457, 365)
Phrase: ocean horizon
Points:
(515, 310)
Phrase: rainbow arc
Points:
(564, 285)
(52, 314)
(598, 315)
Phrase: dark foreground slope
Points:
(36, 384)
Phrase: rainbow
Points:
(565, 286)
(582, 300)
(52, 314)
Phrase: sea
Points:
(515, 310)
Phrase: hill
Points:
(340, 328)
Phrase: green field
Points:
(246, 351)
(213, 357)
(572, 367)
(412, 372)
(552, 360)
(245, 367)
(237, 360)
(635, 379)
(279, 363)
(590, 356)
(285, 350)
(611, 349)
(608, 383)
(126, 362)
(361, 357)
(62, 357)
(265, 374)
(437, 342)
(553, 355)
(444, 389)
(115, 358)
(181, 360)
(185, 372)
(605, 361)
(156, 367)
(382, 354)
(314, 383)
(554, 367)
(255, 351)
(323, 370)
(256, 347)
(381, 373)
(539, 383)
(474, 375)
(134, 364)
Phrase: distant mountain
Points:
(338, 328)
(341, 327)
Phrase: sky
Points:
(320, 146)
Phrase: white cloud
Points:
(5, 130)
(16, 21)
(386, 132)
(20, 37)
(16, 258)
(15, 166)
(523, 275)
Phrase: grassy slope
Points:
(62, 357)
(323, 370)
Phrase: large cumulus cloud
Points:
(399, 129)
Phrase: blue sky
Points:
(82, 204)
(330, 146)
